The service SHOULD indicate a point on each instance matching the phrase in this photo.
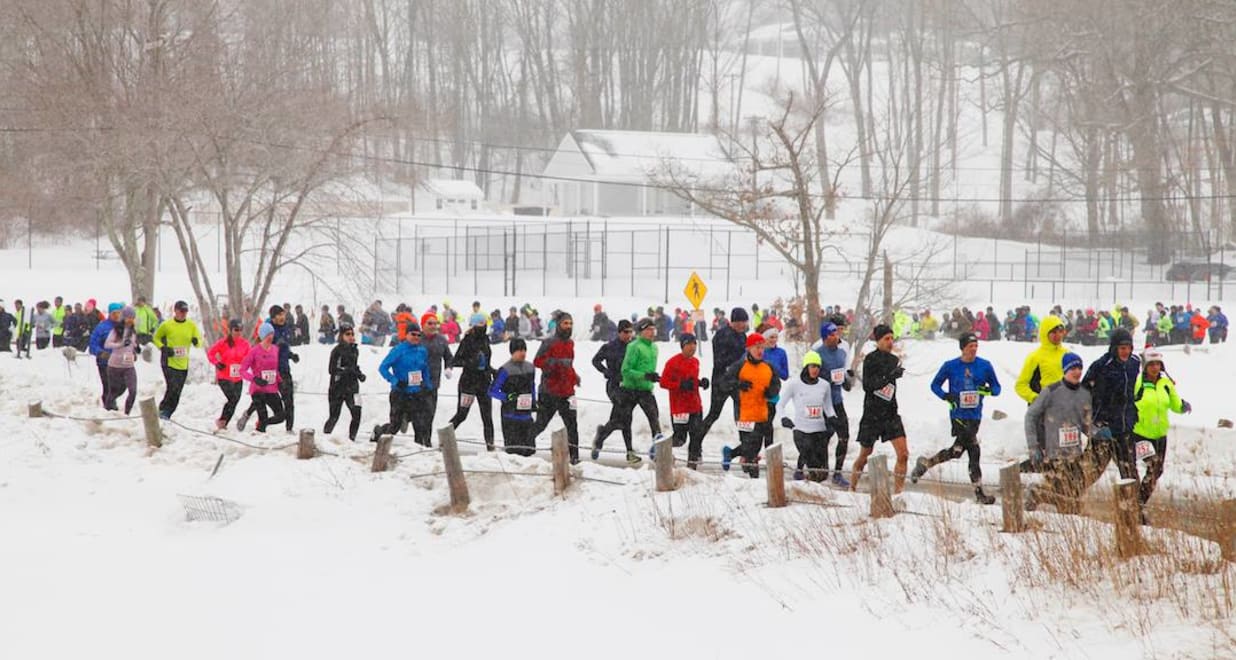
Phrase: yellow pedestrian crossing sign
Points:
(695, 290)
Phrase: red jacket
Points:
(676, 371)
(556, 360)
(230, 357)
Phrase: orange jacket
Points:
(402, 319)
(753, 403)
(1200, 326)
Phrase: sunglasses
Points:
(414, 334)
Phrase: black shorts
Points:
(841, 423)
(966, 430)
(882, 429)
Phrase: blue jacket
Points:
(779, 361)
(401, 362)
(1217, 321)
(1180, 320)
(1111, 385)
(964, 378)
(834, 359)
(101, 331)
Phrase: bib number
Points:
(837, 376)
(1070, 437)
(1145, 449)
(465, 400)
(233, 371)
(969, 399)
(180, 351)
(415, 378)
(815, 412)
(524, 402)
(887, 392)
(746, 427)
(681, 418)
(270, 375)
(572, 404)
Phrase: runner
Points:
(1155, 395)
(756, 384)
(556, 360)
(406, 368)
(728, 347)
(835, 365)
(681, 378)
(970, 379)
(227, 355)
(515, 388)
(608, 361)
(881, 421)
(1111, 380)
(1055, 424)
(121, 345)
(261, 369)
(639, 372)
(1042, 367)
(812, 399)
(345, 379)
(174, 337)
(475, 361)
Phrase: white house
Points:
(611, 173)
(447, 196)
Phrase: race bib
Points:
(524, 402)
(1145, 449)
(269, 375)
(415, 378)
(969, 399)
(814, 412)
(571, 403)
(887, 392)
(127, 359)
(465, 400)
(746, 426)
(1070, 436)
(837, 376)
(681, 418)
(180, 351)
(233, 371)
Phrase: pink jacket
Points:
(981, 327)
(230, 357)
(261, 363)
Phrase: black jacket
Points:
(880, 369)
(475, 359)
(344, 369)
(728, 347)
(608, 361)
(1111, 387)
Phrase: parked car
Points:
(1184, 271)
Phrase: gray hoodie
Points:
(1059, 421)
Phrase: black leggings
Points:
(263, 401)
(1154, 466)
(336, 401)
(965, 441)
(232, 392)
(624, 410)
(414, 408)
(467, 401)
(547, 407)
(118, 381)
(693, 431)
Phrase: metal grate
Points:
(208, 508)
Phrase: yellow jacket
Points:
(1043, 366)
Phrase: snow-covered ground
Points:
(328, 559)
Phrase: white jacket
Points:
(813, 404)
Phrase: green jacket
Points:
(146, 321)
(1165, 323)
(58, 321)
(178, 335)
(640, 360)
(1104, 329)
(1153, 402)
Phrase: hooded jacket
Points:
(728, 348)
(812, 401)
(344, 369)
(1154, 400)
(556, 360)
(1058, 419)
(1111, 383)
(679, 370)
(475, 361)
(1042, 366)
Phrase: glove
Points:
(260, 382)
(984, 390)
(294, 357)
(360, 376)
(1186, 407)
(652, 376)
(898, 372)
(1036, 458)
(167, 352)
(787, 422)
(103, 355)
(193, 341)
(1103, 433)
(686, 384)
(704, 383)
(744, 385)
(951, 398)
(221, 367)
(128, 342)
(512, 396)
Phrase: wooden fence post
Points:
(150, 420)
(561, 454)
(663, 460)
(881, 487)
(36, 408)
(382, 454)
(304, 448)
(775, 477)
(1227, 529)
(1010, 498)
(454, 469)
(1127, 519)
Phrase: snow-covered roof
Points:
(453, 188)
(633, 155)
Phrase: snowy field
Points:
(326, 558)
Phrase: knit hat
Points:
(1121, 337)
(115, 307)
(686, 338)
(812, 358)
(476, 319)
(738, 314)
(1152, 356)
(967, 338)
(266, 330)
(755, 340)
(411, 327)
(880, 331)
(624, 325)
(518, 344)
(92, 302)
(181, 306)
(771, 333)
(128, 313)
(644, 324)
(1070, 361)
(827, 328)
(427, 317)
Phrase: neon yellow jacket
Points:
(1043, 366)
(178, 335)
(1153, 402)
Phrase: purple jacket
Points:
(122, 356)
(261, 362)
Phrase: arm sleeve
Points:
(670, 376)
(1177, 405)
(113, 341)
(542, 354)
(332, 366)
(1034, 416)
(630, 366)
(246, 366)
(160, 336)
(938, 382)
(992, 381)
(787, 397)
(495, 390)
(385, 369)
(1023, 379)
(729, 378)
(598, 361)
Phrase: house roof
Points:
(456, 188)
(633, 155)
